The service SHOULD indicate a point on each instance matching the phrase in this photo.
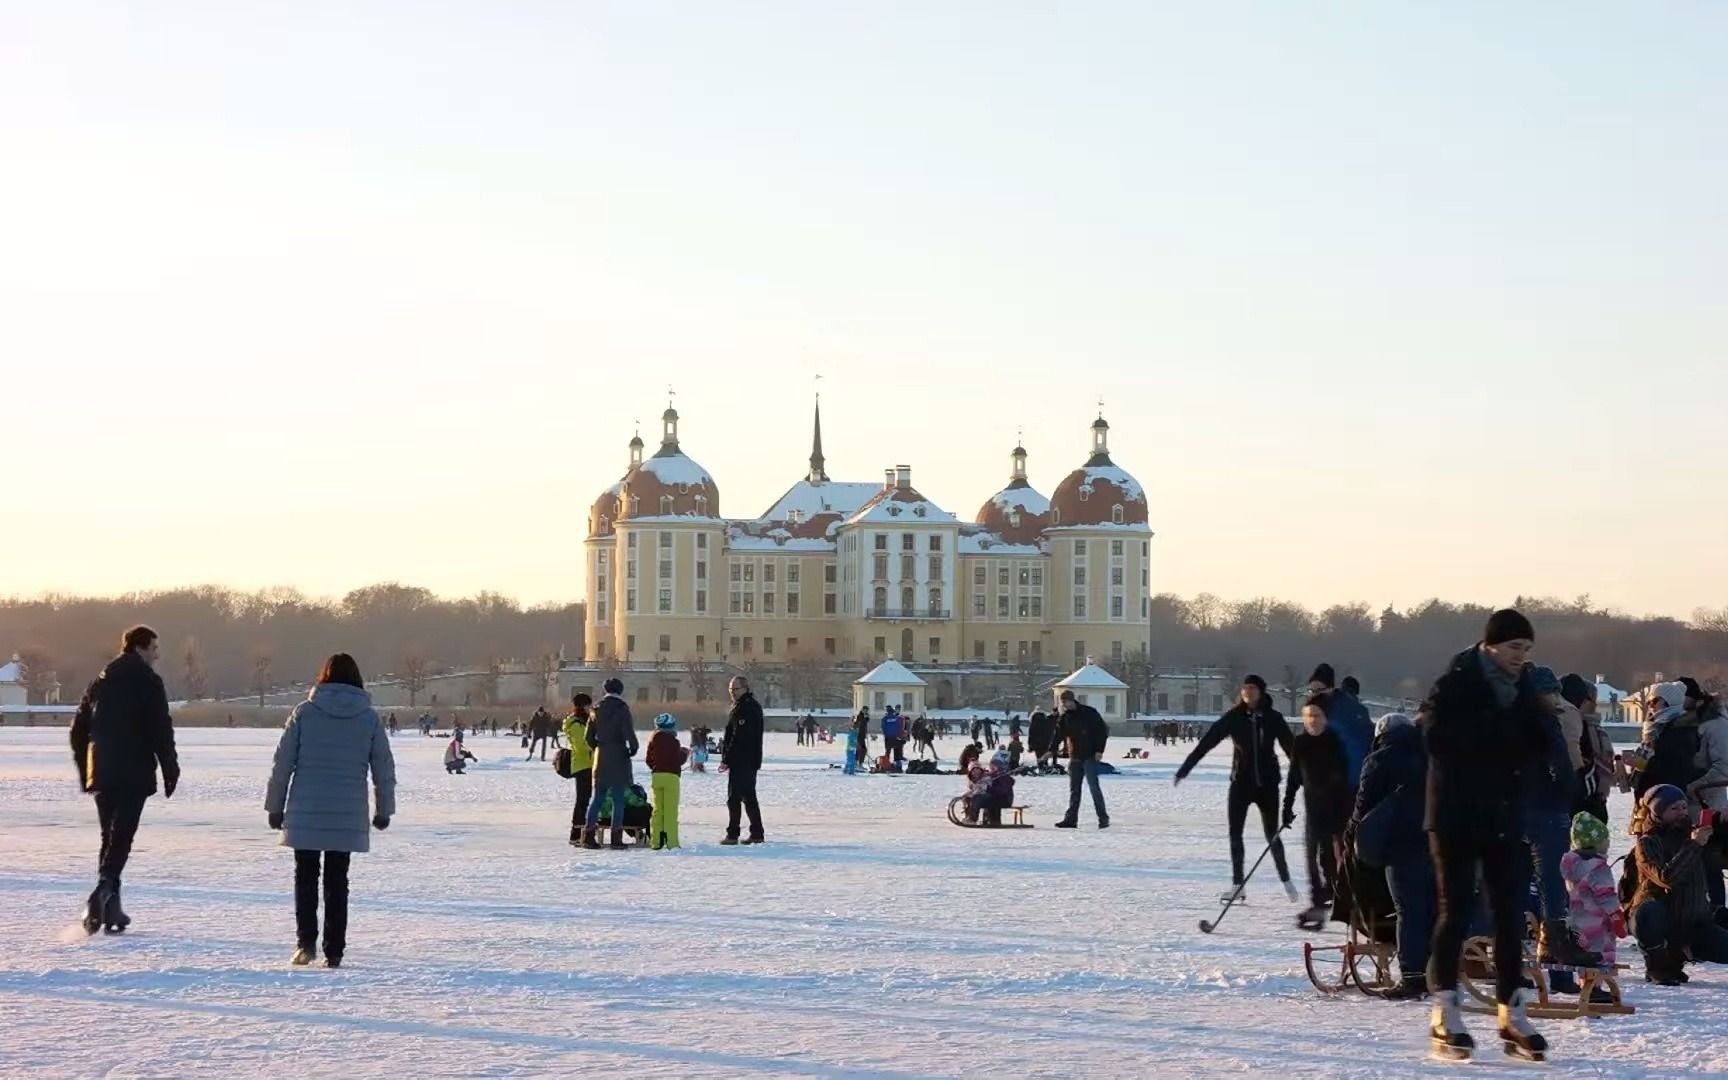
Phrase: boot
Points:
(755, 838)
(1562, 982)
(1067, 823)
(1517, 1037)
(1447, 1035)
(114, 917)
(95, 907)
(591, 839)
(1409, 988)
(302, 956)
(1558, 945)
(1313, 918)
(729, 840)
(1660, 966)
(617, 838)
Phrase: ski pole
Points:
(1208, 927)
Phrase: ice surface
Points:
(868, 938)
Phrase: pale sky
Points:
(1385, 301)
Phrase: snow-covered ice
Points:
(869, 937)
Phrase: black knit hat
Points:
(1352, 685)
(1693, 690)
(1324, 676)
(1255, 680)
(1576, 689)
(1507, 625)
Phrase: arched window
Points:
(665, 505)
(1116, 513)
(906, 601)
(935, 600)
(1055, 515)
(881, 599)
(702, 506)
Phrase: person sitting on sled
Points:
(1593, 914)
(991, 790)
(1319, 769)
(456, 756)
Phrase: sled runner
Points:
(1476, 975)
(957, 814)
(1366, 957)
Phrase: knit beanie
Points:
(1255, 680)
(1693, 690)
(1577, 690)
(1673, 694)
(1507, 625)
(613, 686)
(1352, 686)
(1658, 799)
(1324, 676)
(1589, 833)
(1392, 720)
(665, 722)
(1543, 680)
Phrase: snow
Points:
(1026, 498)
(1130, 487)
(775, 540)
(890, 673)
(12, 672)
(833, 497)
(1091, 677)
(988, 543)
(677, 468)
(902, 512)
(868, 938)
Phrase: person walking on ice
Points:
(1084, 733)
(1256, 731)
(665, 761)
(1320, 770)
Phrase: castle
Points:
(859, 572)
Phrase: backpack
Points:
(561, 764)
(1628, 879)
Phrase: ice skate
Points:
(1448, 1038)
(1313, 918)
(301, 957)
(114, 917)
(94, 908)
(1232, 896)
(1517, 1037)
(1290, 891)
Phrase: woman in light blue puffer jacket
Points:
(317, 797)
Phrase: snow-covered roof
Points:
(1025, 496)
(830, 497)
(12, 673)
(1141, 528)
(901, 506)
(987, 543)
(1130, 487)
(1607, 695)
(676, 468)
(890, 673)
(1092, 677)
(776, 540)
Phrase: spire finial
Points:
(818, 472)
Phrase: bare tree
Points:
(546, 665)
(809, 677)
(194, 678)
(490, 682)
(414, 667)
(1024, 679)
(262, 662)
(663, 676)
(1291, 688)
(38, 674)
(701, 678)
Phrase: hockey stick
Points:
(1208, 927)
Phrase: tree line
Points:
(219, 643)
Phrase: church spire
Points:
(818, 475)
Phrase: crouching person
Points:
(1671, 907)
(665, 761)
(456, 756)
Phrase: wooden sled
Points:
(1476, 973)
(1362, 959)
(957, 815)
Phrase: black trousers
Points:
(335, 900)
(1505, 863)
(539, 741)
(1322, 859)
(1242, 796)
(584, 796)
(118, 815)
(741, 796)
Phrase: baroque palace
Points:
(853, 573)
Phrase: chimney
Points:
(888, 478)
(902, 476)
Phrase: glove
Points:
(275, 819)
(380, 822)
(169, 783)
(1289, 816)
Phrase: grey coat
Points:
(612, 734)
(319, 780)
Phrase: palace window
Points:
(792, 573)
(665, 601)
(1079, 607)
(978, 576)
(978, 602)
(1001, 652)
(665, 643)
(935, 542)
(908, 542)
(701, 603)
(768, 573)
(881, 599)
(768, 603)
(791, 603)
(881, 541)
(828, 604)
(935, 568)
(1002, 575)
(1116, 518)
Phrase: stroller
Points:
(1363, 903)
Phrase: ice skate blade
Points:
(1513, 1050)
(1445, 1052)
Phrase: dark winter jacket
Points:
(1550, 785)
(1397, 772)
(1256, 733)
(741, 746)
(612, 734)
(1040, 731)
(1478, 750)
(1347, 718)
(1674, 756)
(665, 753)
(122, 731)
(1082, 731)
(1320, 770)
(1671, 868)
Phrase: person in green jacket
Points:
(581, 763)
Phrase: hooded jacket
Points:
(122, 731)
(1398, 771)
(1255, 733)
(1675, 744)
(331, 741)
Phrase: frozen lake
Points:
(869, 937)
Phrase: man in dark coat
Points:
(1084, 733)
(539, 732)
(121, 733)
(1040, 731)
(1483, 725)
(1256, 730)
(741, 760)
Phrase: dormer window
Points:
(918, 511)
(1116, 514)
(635, 506)
(666, 506)
(702, 505)
(1014, 518)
